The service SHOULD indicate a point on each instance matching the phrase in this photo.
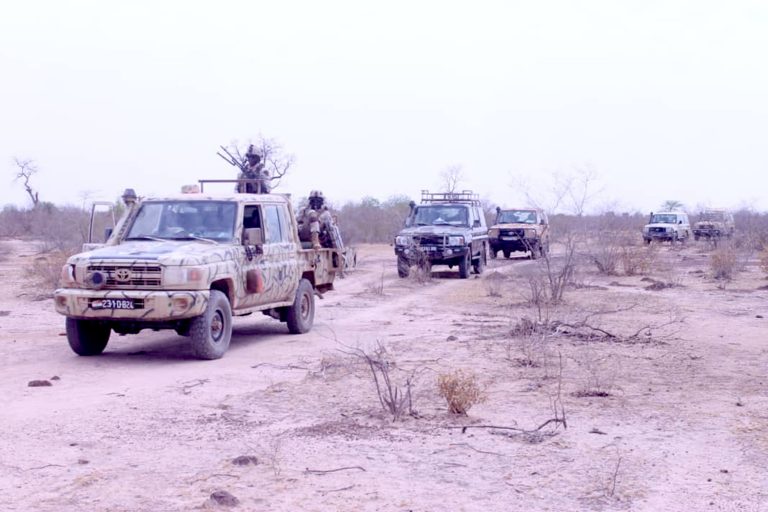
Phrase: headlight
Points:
(176, 276)
(68, 274)
(493, 233)
(455, 240)
(402, 240)
(530, 233)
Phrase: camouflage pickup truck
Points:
(190, 263)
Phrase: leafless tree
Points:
(274, 157)
(451, 177)
(25, 170)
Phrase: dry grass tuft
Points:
(460, 390)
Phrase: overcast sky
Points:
(663, 100)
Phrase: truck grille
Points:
(429, 240)
(657, 230)
(512, 232)
(129, 275)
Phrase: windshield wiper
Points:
(145, 237)
(194, 237)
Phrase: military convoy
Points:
(190, 263)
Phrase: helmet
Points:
(316, 194)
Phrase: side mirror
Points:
(408, 221)
(253, 236)
(107, 233)
(680, 222)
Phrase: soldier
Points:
(316, 224)
(254, 170)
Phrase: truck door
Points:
(280, 262)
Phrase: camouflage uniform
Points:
(254, 170)
(316, 224)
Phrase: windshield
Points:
(441, 216)
(664, 218)
(517, 217)
(713, 216)
(184, 220)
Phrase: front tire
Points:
(211, 332)
(301, 314)
(481, 261)
(403, 268)
(87, 337)
(465, 264)
(534, 251)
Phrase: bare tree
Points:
(451, 177)
(276, 161)
(25, 170)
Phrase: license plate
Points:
(509, 238)
(429, 248)
(112, 304)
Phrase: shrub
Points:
(460, 390)
(723, 261)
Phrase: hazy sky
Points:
(663, 100)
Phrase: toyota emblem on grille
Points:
(123, 274)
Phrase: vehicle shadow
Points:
(148, 347)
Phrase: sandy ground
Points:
(682, 426)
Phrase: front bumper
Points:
(670, 235)
(432, 253)
(148, 306)
(513, 243)
(704, 232)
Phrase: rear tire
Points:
(301, 314)
(403, 268)
(211, 332)
(464, 265)
(87, 337)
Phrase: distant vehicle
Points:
(520, 229)
(447, 228)
(190, 263)
(667, 226)
(713, 224)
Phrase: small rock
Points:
(39, 383)
(55, 377)
(758, 316)
(83, 461)
(723, 470)
(244, 460)
(451, 338)
(224, 499)
(5, 313)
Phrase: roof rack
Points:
(465, 196)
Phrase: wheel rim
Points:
(305, 306)
(217, 326)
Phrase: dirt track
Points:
(146, 427)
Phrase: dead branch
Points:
(337, 490)
(478, 451)
(326, 471)
(281, 366)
